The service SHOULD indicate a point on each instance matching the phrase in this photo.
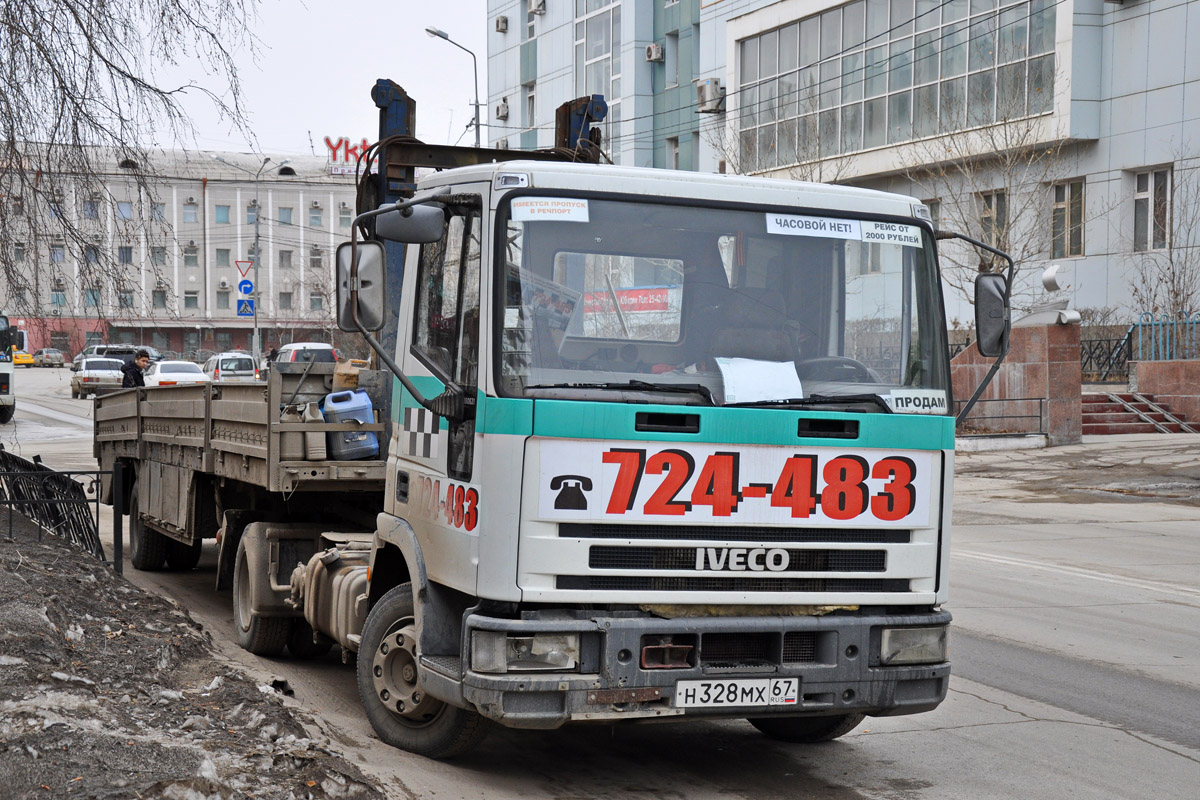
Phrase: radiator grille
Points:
(636, 583)
(737, 649)
(740, 533)
(799, 647)
(678, 558)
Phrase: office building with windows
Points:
(158, 254)
(1064, 131)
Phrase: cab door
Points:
(436, 458)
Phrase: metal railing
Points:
(1168, 337)
(1107, 360)
(1017, 416)
(57, 502)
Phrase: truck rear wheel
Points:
(300, 641)
(807, 730)
(147, 548)
(183, 557)
(263, 636)
(389, 683)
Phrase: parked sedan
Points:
(22, 359)
(174, 373)
(48, 357)
(96, 374)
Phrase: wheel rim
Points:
(135, 528)
(397, 680)
(242, 580)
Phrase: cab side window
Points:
(446, 331)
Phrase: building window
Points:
(530, 30)
(125, 254)
(224, 341)
(598, 57)
(55, 208)
(125, 299)
(222, 256)
(1066, 220)
(345, 216)
(91, 298)
(252, 214)
(91, 209)
(530, 106)
(315, 261)
(871, 73)
(158, 256)
(191, 257)
(673, 152)
(672, 58)
(18, 207)
(935, 213)
(285, 301)
(158, 212)
(18, 252)
(315, 216)
(1152, 210)
(58, 298)
(251, 253)
(222, 299)
(58, 254)
(316, 302)
(159, 298)
(285, 258)
(91, 254)
(191, 299)
(993, 218)
(221, 215)
(285, 215)
(190, 212)
(124, 210)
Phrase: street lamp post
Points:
(256, 342)
(441, 34)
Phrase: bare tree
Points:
(1164, 276)
(81, 105)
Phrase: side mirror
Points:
(371, 286)
(992, 322)
(421, 224)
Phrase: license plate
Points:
(737, 693)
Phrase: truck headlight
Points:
(913, 645)
(494, 651)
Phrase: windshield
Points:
(732, 305)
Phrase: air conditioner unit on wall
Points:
(59, 283)
(316, 203)
(253, 202)
(224, 284)
(710, 97)
(343, 204)
(536, 6)
(656, 52)
(191, 200)
(160, 284)
(502, 110)
(501, 24)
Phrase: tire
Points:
(300, 642)
(807, 730)
(6, 413)
(74, 394)
(183, 557)
(262, 636)
(388, 677)
(147, 548)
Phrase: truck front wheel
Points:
(389, 683)
(263, 636)
(183, 557)
(807, 730)
(147, 548)
(6, 413)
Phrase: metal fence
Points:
(1167, 337)
(1018, 416)
(57, 502)
(1107, 360)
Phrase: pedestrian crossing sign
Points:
(245, 308)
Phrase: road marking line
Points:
(1077, 572)
(49, 413)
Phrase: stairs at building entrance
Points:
(1131, 413)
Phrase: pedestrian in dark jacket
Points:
(133, 371)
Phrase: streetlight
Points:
(441, 34)
(256, 344)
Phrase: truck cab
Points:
(701, 466)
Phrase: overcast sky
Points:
(316, 61)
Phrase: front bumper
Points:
(838, 668)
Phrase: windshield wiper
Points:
(678, 388)
(818, 400)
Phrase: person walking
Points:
(132, 371)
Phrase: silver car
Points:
(95, 375)
(231, 368)
(48, 357)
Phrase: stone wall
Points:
(1042, 363)
(1176, 383)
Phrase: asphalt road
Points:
(1076, 659)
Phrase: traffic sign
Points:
(243, 267)
(246, 287)
(245, 308)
